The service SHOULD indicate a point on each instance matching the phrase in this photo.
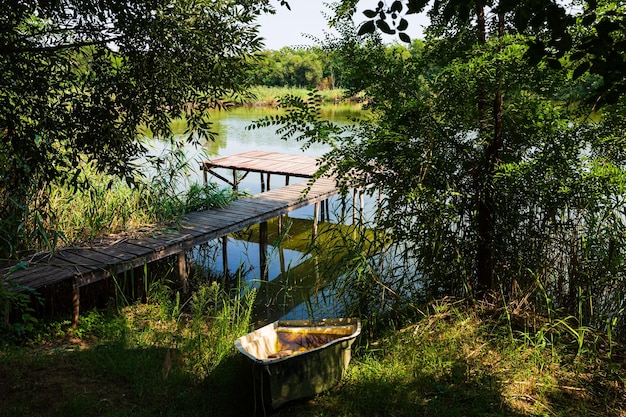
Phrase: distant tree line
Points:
(307, 67)
(289, 67)
(322, 69)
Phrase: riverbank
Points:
(458, 360)
(264, 96)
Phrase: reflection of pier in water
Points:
(295, 284)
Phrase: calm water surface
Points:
(290, 292)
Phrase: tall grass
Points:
(197, 333)
(108, 205)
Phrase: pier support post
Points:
(262, 183)
(357, 194)
(316, 215)
(182, 272)
(235, 181)
(75, 304)
(263, 251)
(281, 255)
(361, 206)
(327, 202)
(225, 256)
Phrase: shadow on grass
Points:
(110, 380)
(457, 393)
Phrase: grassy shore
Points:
(268, 96)
(458, 360)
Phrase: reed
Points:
(109, 205)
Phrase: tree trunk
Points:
(486, 211)
(483, 213)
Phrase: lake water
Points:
(293, 289)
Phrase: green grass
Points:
(456, 361)
(269, 95)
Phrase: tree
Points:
(79, 79)
(489, 183)
(451, 18)
(289, 67)
(601, 49)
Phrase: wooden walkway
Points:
(94, 261)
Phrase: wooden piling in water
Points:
(225, 256)
(263, 251)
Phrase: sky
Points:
(306, 17)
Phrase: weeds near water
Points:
(218, 317)
(161, 191)
(454, 361)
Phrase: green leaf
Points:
(367, 27)
(370, 13)
(384, 27)
(580, 70)
(416, 6)
(403, 25)
(396, 6)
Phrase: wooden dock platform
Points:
(94, 261)
(265, 163)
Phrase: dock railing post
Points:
(262, 183)
(316, 215)
(235, 181)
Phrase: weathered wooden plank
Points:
(40, 275)
(126, 245)
(267, 162)
(70, 258)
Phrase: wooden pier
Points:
(264, 163)
(110, 256)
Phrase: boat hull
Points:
(279, 376)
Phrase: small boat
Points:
(294, 359)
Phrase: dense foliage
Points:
(495, 179)
(290, 67)
(78, 80)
